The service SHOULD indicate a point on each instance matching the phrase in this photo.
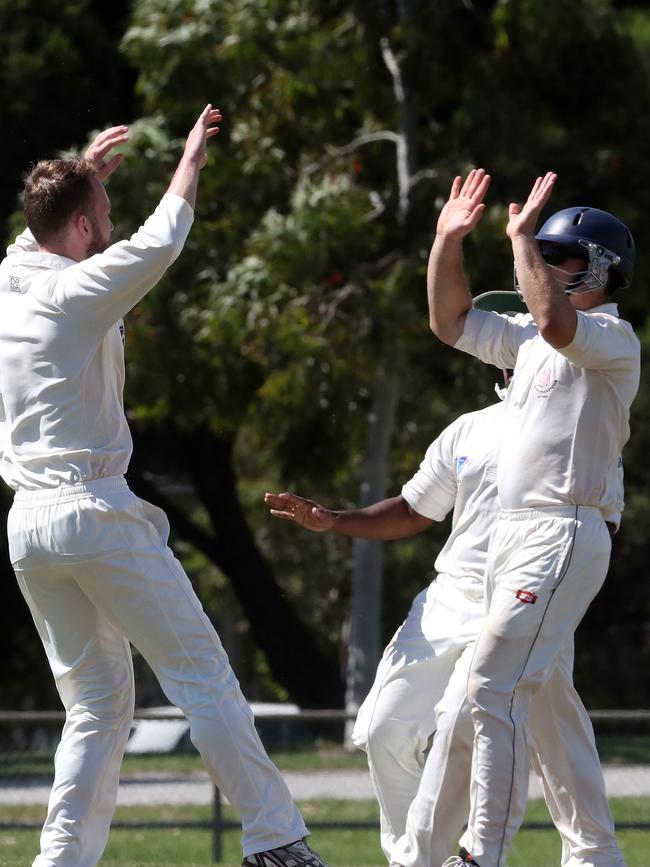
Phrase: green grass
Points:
(137, 847)
(182, 847)
(327, 757)
(633, 749)
(619, 749)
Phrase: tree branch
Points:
(403, 168)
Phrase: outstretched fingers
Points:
(522, 220)
(306, 513)
(542, 189)
(108, 138)
(465, 205)
(476, 185)
(203, 129)
(102, 145)
(285, 515)
(475, 215)
(284, 505)
(456, 187)
(209, 117)
(546, 186)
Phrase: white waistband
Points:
(64, 493)
(579, 513)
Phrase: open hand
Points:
(307, 513)
(203, 129)
(103, 145)
(523, 220)
(465, 205)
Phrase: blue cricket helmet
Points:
(599, 237)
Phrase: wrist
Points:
(448, 238)
(522, 234)
(193, 161)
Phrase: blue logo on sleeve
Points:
(460, 463)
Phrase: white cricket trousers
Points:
(544, 568)
(397, 720)
(93, 565)
(423, 793)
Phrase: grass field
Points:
(184, 847)
(137, 847)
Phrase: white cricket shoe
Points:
(463, 859)
(297, 854)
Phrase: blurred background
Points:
(288, 348)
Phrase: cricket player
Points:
(415, 724)
(566, 421)
(91, 558)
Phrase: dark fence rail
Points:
(621, 722)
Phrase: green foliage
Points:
(303, 278)
(60, 74)
(300, 284)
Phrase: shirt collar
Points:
(608, 307)
(51, 261)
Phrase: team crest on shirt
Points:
(122, 332)
(544, 382)
(460, 463)
(526, 596)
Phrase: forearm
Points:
(186, 180)
(389, 519)
(447, 290)
(547, 302)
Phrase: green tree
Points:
(299, 301)
(321, 120)
(61, 74)
(321, 201)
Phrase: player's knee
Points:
(107, 704)
(116, 707)
(380, 733)
(482, 696)
(395, 741)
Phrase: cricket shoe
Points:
(463, 859)
(297, 854)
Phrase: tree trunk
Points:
(365, 603)
(365, 600)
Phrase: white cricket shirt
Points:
(566, 412)
(459, 472)
(61, 351)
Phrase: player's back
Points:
(61, 419)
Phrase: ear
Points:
(82, 225)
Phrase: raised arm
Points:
(186, 178)
(108, 284)
(447, 290)
(389, 519)
(550, 307)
